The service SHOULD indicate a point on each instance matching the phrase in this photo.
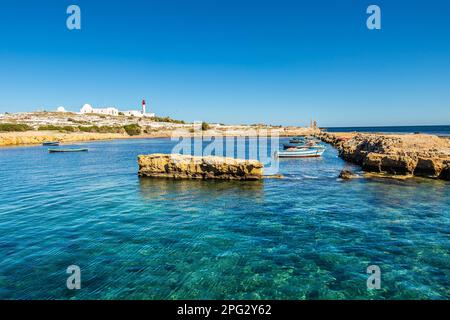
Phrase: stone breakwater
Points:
(412, 154)
(191, 167)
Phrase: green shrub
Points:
(51, 127)
(132, 129)
(110, 129)
(167, 119)
(69, 129)
(88, 128)
(149, 130)
(205, 126)
(101, 129)
(77, 121)
(9, 127)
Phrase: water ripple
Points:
(308, 236)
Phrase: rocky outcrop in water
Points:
(418, 154)
(347, 174)
(445, 173)
(191, 167)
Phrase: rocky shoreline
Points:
(8, 139)
(418, 155)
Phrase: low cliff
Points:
(190, 167)
(37, 137)
(412, 154)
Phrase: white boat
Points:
(300, 153)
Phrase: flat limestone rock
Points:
(179, 166)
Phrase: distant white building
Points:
(144, 105)
(139, 114)
(144, 110)
(61, 109)
(133, 113)
(87, 108)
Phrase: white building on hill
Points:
(140, 114)
(133, 113)
(87, 108)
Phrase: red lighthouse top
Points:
(143, 102)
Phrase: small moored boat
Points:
(300, 146)
(67, 150)
(50, 143)
(300, 153)
(297, 140)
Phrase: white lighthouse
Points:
(139, 114)
(143, 107)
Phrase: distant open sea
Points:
(438, 130)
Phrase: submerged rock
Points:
(445, 173)
(347, 174)
(274, 176)
(191, 167)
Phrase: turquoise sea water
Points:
(307, 236)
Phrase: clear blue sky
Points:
(232, 61)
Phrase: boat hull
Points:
(66, 150)
(300, 153)
(50, 144)
(296, 141)
(299, 146)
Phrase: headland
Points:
(37, 127)
(404, 155)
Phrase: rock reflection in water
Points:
(164, 189)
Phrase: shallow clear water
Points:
(308, 236)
